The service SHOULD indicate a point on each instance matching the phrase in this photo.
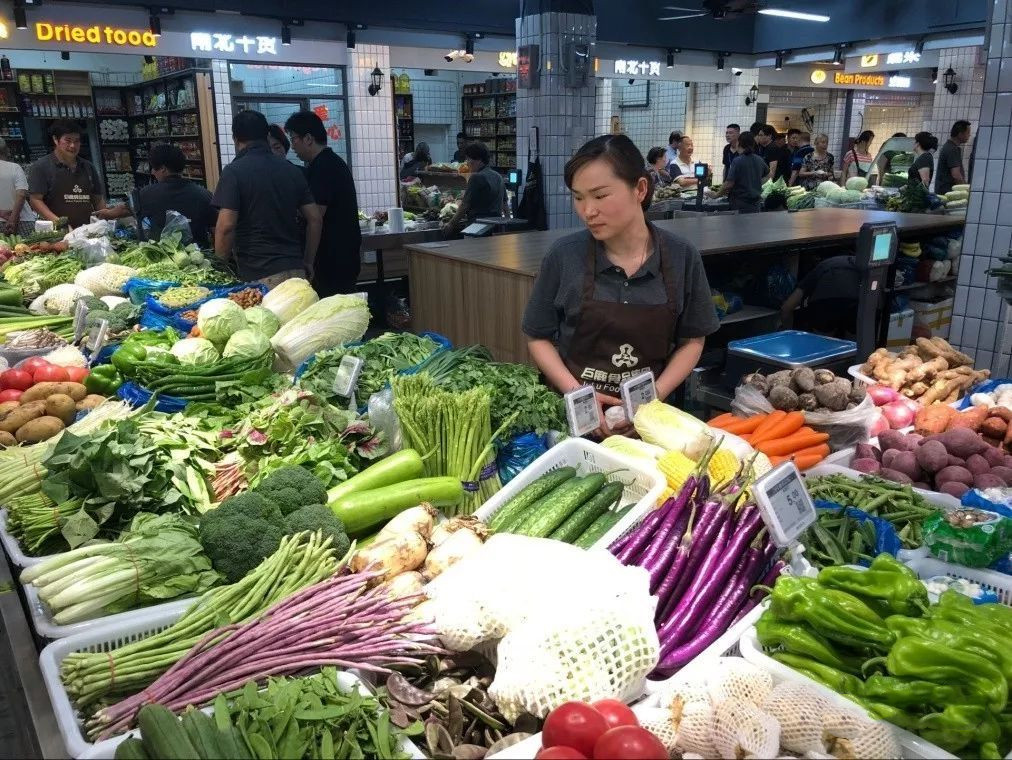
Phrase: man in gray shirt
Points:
(950, 159)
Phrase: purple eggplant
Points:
(677, 564)
(663, 536)
(713, 515)
(641, 535)
(659, 565)
(757, 594)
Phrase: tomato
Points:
(559, 753)
(18, 379)
(573, 724)
(50, 374)
(616, 713)
(76, 374)
(32, 364)
(629, 743)
(11, 394)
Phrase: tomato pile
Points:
(603, 730)
(14, 382)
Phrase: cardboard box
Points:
(932, 318)
(901, 327)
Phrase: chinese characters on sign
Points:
(207, 42)
(642, 68)
(897, 81)
(508, 59)
(891, 59)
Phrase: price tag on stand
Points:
(80, 315)
(784, 503)
(348, 372)
(582, 411)
(637, 391)
(96, 339)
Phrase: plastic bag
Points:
(101, 228)
(383, 418)
(94, 251)
(978, 545)
(845, 428)
(138, 289)
(138, 396)
(176, 222)
(998, 500)
(886, 538)
(517, 453)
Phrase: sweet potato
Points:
(956, 461)
(988, 480)
(889, 456)
(869, 465)
(933, 419)
(931, 456)
(1008, 460)
(971, 419)
(1005, 473)
(994, 427)
(867, 451)
(976, 464)
(962, 442)
(954, 488)
(893, 439)
(906, 462)
(893, 475)
(995, 457)
(959, 474)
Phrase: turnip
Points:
(420, 520)
(444, 530)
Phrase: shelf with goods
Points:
(404, 124)
(488, 114)
(113, 139)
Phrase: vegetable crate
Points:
(940, 500)
(999, 583)
(642, 486)
(13, 548)
(912, 745)
(105, 638)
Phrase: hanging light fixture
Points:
(720, 61)
(950, 81)
(286, 34)
(838, 56)
(376, 77)
(155, 25)
(20, 16)
(351, 39)
(934, 75)
(779, 66)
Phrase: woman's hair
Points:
(477, 151)
(621, 154)
(422, 152)
(926, 140)
(821, 136)
(746, 141)
(653, 154)
(279, 134)
(865, 137)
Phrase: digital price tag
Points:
(80, 314)
(582, 411)
(784, 503)
(637, 391)
(348, 372)
(96, 339)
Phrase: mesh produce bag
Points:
(692, 722)
(848, 734)
(658, 722)
(742, 730)
(799, 709)
(734, 678)
(686, 686)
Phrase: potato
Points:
(783, 377)
(987, 480)
(90, 401)
(23, 414)
(807, 402)
(40, 429)
(44, 390)
(954, 488)
(869, 465)
(6, 439)
(8, 406)
(931, 456)
(62, 407)
(867, 451)
(893, 475)
(959, 474)
(1005, 473)
(976, 464)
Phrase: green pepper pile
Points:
(941, 671)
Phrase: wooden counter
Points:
(474, 290)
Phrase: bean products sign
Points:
(96, 34)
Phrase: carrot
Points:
(808, 460)
(792, 443)
(789, 425)
(778, 460)
(745, 426)
(822, 450)
(722, 419)
(771, 419)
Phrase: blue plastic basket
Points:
(441, 340)
(138, 396)
(151, 303)
(886, 538)
(985, 387)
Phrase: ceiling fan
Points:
(725, 9)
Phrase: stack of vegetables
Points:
(929, 371)
(782, 436)
(939, 670)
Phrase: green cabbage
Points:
(247, 344)
(195, 351)
(289, 298)
(826, 187)
(220, 318)
(326, 324)
(262, 320)
(857, 183)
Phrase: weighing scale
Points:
(702, 171)
(874, 255)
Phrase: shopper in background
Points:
(743, 184)
(338, 257)
(798, 157)
(485, 194)
(173, 192)
(458, 155)
(420, 160)
(657, 167)
(857, 162)
(756, 128)
(682, 169)
(731, 134)
(259, 197)
(278, 141)
(950, 158)
(671, 152)
(793, 139)
(817, 166)
(621, 296)
(62, 184)
(776, 156)
(924, 164)
(14, 208)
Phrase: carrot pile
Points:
(782, 436)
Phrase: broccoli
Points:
(117, 323)
(319, 517)
(241, 533)
(292, 487)
(93, 303)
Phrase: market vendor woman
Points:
(622, 296)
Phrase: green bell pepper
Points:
(799, 638)
(127, 356)
(952, 604)
(104, 380)
(837, 680)
(989, 751)
(978, 640)
(958, 726)
(910, 692)
(890, 713)
(898, 593)
(837, 615)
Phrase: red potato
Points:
(868, 465)
(977, 464)
(1005, 473)
(895, 476)
(931, 456)
(958, 474)
(954, 488)
(987, 480)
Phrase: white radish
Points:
(391, 556)
(458, 545)
(405, 584)
(418, 520)
(444, 530)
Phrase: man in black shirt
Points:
(731, 149)
(338, 259)
(458, 155)
(173, 192)
(777, 157)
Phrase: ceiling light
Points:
(780, 62)
(469, 47)
(468, 57)
(155, 25)
(796, 15)
(736, 72)
(720, 61)
(686, 84)
(671, 58)
(286, 34)
(20, 17)
(838, 57)
(351, 40)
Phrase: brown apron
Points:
(615, 341)
(70, 193)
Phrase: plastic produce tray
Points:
(992, 580)
(105, 638)
(643, 485)
(13, 548)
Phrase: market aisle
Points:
(17, 740)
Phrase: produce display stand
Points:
(13, 548)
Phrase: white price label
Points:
(80, 314)
(348, 372)
(582, 411)
(637, 391)
(97, 338)
(784, 503)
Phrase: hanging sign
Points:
(96, 34)
(213, 42)
(638, 68)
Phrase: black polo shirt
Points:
(338, 258)
(176, 193)
(266, 191)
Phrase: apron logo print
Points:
(77, 189)
(624, 357)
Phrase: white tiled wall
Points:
(650, 127)
(603, 107)
(710, 108)
(373, 162)
(223, 109)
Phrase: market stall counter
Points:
(494, 276)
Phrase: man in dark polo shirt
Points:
(485, 194)
(61, 184)
(950, 159)
(259, 197)
(338, 259)
(173, 192)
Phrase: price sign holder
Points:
(784, 503)
(582, 411)
(96, 339)
(348, 372)
(80, 314)
(637, 391)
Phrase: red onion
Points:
(882, 394)
(880, 424)
(898, 414)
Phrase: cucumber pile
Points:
(563, 506)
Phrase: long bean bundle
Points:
(300, 561)
(335, 622)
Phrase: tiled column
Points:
(829, 120)
(564, 115)
(965, 104)
(711, 107)
(603, 107)
(372, 129)
(223, 110)
(981, 323)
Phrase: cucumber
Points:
(131, 749)
(533, 491)
(163, 735)
(599, 527)
(584, 516)
(553, 510)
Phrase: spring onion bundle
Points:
(456, 428)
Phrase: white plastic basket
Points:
(13, 548)
(999, 583)
(855, 372)
(643, 485)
